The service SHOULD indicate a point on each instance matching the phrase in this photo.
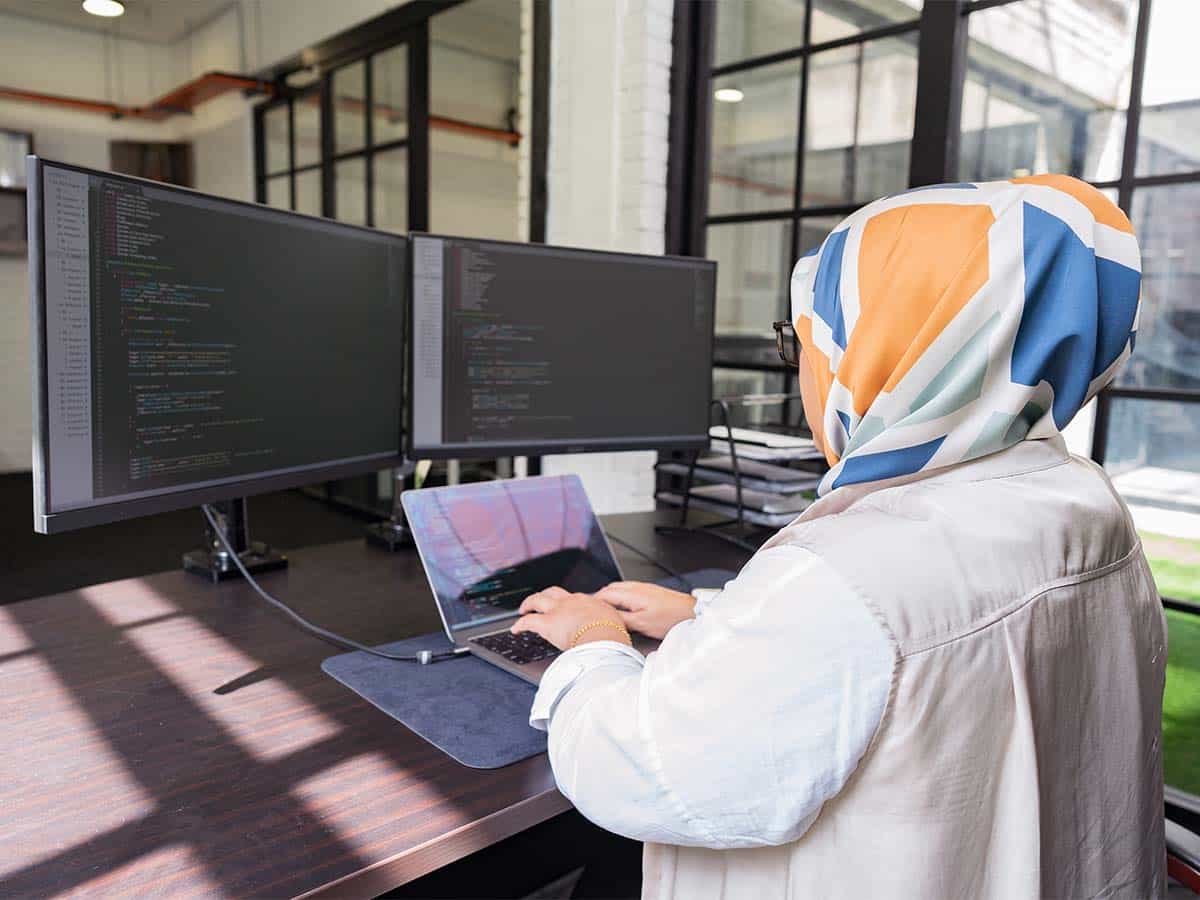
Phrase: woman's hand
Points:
(557, 615)
(648, 608)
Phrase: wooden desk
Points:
(164, 736)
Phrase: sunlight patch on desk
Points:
(163, 872)
(128, 602)
(326, 796)
(96, 776)
(267, 718)
(12, 637)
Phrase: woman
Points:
(944, 679)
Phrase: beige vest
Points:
(1019, 755)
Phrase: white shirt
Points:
(960, 671)
(762, 697)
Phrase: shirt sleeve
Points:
(739, 727)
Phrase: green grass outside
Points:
(1181, 703)
(1176, 566)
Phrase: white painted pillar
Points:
(610, 103)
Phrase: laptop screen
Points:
(487, 546)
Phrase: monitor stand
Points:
(393, 534)
(214, 563)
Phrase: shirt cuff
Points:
(570, 665)
(704, 597)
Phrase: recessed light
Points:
(728, 95)
(108, 9)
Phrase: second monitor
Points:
(525, 348)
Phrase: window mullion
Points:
(369, 161)
(802, 112)
(1133, 118)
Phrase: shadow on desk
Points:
(32, 565)
(566, 856)
(126, 773)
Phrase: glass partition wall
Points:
(405, 123)
(353, 144)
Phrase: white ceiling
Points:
(158, 21)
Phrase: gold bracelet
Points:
(599, 623)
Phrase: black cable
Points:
(345, 643)
(650, 559)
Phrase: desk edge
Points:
(383, 876)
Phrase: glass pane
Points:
(813, 231)
(350, 108)
(859, 121)
(1154, 458)
(834, 19)
(279, 192)
(350, 182)
(1169, 133)
(1181, 699)
(754, 139)
(391, 190)
(14, 147)
(308, 192)
(473, 187)
(1167, 351)
(474, 55)
(308, 129)
(1153, 453)
(749, 28)
(390, 74)
(1046, 91)
(275, 137)
(754, 261)
(733, 383)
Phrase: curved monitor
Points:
(189, 348)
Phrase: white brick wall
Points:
(525, 119)
(610, 104)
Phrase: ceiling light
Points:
(108, 9)
(728, 95)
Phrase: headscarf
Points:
(949, 322)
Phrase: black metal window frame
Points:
(1126, 186)
(693, 73)
(934, 157)
(409, 25)
(415, 38)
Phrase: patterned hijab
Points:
(949, 322)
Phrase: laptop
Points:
(487, 546)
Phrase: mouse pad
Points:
(470, 710)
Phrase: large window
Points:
(812, 113)
(347, 144)
(809, 110)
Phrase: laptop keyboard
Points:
(522, 648)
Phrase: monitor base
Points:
(390, 535)
(214, 563)
(217, 565)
